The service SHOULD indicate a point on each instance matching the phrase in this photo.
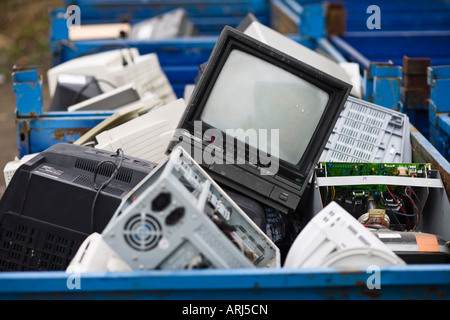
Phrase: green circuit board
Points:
(393, 200)
(342, 169)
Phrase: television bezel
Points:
(231, 39)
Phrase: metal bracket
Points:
(27, 85)
(313, 21)
(443, 135)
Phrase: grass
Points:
(24, 26)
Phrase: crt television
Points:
(249, 85)
(55, 201)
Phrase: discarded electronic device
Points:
(333, 238)
(345, 71)
(252, 27)
(415, 247)
(366, 132)
(399, 190)
(147, 136)
(94, 254)
(73, 88)
(120, 116)
(58, 198)
(174, 23)
(259, 90)
(118, 68)
(179, 218)
(253, 209)
(402, 203)
(114, 99)
(12, 166)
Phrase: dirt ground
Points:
(8, 141)
(8, 135)
(24, 27)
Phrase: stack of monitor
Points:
(147, 136)
(110, 70)
(120, 116)
(110, 100)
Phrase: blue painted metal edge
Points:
(444, 123)
(423, 151)
(396, 282)
(287, 8)
(443, 135)
(350, 52)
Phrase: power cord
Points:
(106, 183)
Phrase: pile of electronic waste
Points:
(272, 160)
(174, 23)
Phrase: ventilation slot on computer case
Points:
(366, 132)
(88, 182)
(106, 169)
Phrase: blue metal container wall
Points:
(409, 282)
(398, 15)
(209, 16)
(397, 283)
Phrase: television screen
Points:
(268, 112)
(251, 93)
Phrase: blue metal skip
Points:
(405, 282)
(208, 16)
(396, 15)
(382, 46)
(409, 282)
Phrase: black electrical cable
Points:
(393, 213)
(104, 184)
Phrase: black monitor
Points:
(73, 88)
(53, 203)
(249, 85)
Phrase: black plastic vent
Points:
(106, 169)
(25, 246)
(88, 182)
